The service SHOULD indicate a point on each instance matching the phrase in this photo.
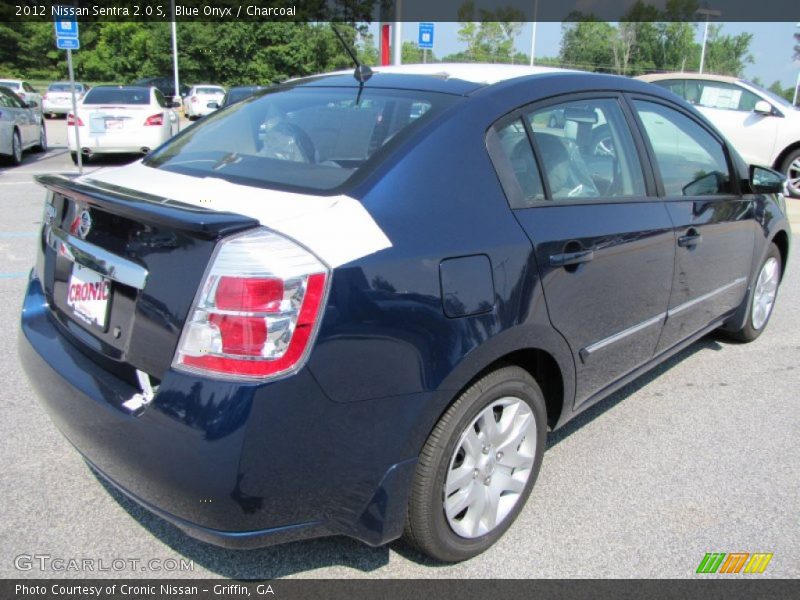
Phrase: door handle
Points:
(692, 238)
(566, 259)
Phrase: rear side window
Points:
(209, 90)
(587, 151)
(12, 85)
(690, 160)
(308, 138)
(117, 96)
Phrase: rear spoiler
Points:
(147, 207)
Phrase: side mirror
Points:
(763, 107)
(213, 105)
(766, 181)
(32, 104)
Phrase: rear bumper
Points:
(56, 108)
(234, 465)
(117, 142)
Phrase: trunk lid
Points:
(120, 271)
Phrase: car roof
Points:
(123, 87)
(453, 78)
(706, 76)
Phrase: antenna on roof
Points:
(362, 72)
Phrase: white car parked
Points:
(121, 119)
(57, 100)
(21, 127)
(25, 91)
(762, 126)
(196, 103)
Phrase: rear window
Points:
(14, 85)
(64, 87)
(307, 138)
(117, 96)
(209, 90)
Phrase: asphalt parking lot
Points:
(698, 456)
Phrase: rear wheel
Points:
(42, 145)
(791, 168)
(762, 297)
(16, 149)
(478, 466)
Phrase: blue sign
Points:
(67, 43)
(425, 35)
(67, 29)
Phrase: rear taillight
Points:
(71, 120)
(155, 119)
(44, 96)
(257, 310)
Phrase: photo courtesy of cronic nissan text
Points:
(391, 298)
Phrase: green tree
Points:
(777, 88)
(727, 54)
(587, 44)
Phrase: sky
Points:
(772, 46)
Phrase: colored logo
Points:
(735, 562)
(82, 224)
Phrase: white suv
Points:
(762, 126)
(196, 103)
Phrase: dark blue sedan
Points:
(357, 307)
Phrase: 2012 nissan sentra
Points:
(356, 305)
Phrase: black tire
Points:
(16, 149)
(42, 145)
(427, 527)
(792, 172)
(748, 333)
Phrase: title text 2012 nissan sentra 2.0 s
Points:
(356, 307)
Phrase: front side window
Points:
(310, 138)
(586, 150)
(690, 160)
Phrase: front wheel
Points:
(791, 168)
(478, 466)
(762, 297)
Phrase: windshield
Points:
(64, 87)
(780, 100)
(14, 85)
(101, 95)
(309, 138)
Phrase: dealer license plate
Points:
(88, 295)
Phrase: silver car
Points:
(21, 127)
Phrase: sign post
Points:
(67, 39)
(425, 40)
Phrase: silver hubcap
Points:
(793, 177)
(491, 464)
(17, 148)
(766, 289)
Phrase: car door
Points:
(27, 122)
(714, 223)
(603, 246)
(7, 121)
